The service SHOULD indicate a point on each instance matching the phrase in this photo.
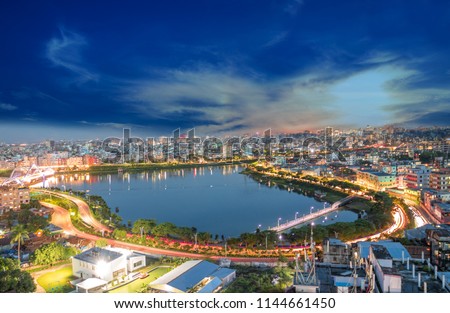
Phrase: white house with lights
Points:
(97, 267)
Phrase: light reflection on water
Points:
(214, 199)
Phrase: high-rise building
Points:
(126, 145)
(329, 143)
(329, 136)
(176, 143)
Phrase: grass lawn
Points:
(57, 281)
(138, 284)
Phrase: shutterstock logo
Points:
(189, 147)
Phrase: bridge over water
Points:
(304, 219)
(28, 176)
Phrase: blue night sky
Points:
(86, 69)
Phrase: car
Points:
(142, 275)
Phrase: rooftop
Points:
(186, 276)
(96, 254)
(376, 173)
(92, 283)
(381, 252)
(394, 248)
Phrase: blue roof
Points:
(394, 248)
(342, 284)
(193, 276)
(222, 273)
(211, 286)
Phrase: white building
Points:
(388, 279)
(105, 265)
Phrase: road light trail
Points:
(61, 218)
(399, 223)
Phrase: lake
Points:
(218, 200)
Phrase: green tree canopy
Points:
(19, 234)
(145, 224)
(31, 221)
(101, 243)
(164, 229)
(52, 253)
(12, 279)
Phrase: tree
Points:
(119, 234)
(101, 243)
(12, 279)
(164, 229)
(19, 234)
(143, 224)
(30, 221)
(52, 253)
(204, 237)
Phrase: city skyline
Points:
(222, 67)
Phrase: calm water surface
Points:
(218, 200)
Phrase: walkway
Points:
(61, 218)
(312, 216)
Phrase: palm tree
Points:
(19, 234)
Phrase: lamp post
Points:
(311, 209)
(279, 219)
(296, 213)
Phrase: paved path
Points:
(61, 218)
(36, 275)
(312, 216)
(83, 210)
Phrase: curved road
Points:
(399, 223)
(61, 218)
(83, 210)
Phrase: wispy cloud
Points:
(293, 6)
(7, 107)
(111, 125)
(276, 39)
(220, 99)
(65, 51)
(30, 93)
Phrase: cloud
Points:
(111, 125)
(377, 57)
(276, 39)
(65, 51)
(293, 6)
(221, 99)
(7, 107)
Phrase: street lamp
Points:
(324, 204)
(279, 219)
(311, 209)
(296, 213)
